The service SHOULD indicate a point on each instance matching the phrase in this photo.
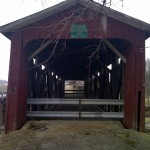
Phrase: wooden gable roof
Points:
(8, 29)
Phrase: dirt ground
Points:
(74, 135)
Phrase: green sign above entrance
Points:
(79, 31)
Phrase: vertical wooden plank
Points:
(121, 30)
(110, 28)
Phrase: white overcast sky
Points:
(11, 10)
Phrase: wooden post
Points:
(79, 102)
(134, 78)
(17, 85)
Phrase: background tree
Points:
(103, 2)
(147, 80)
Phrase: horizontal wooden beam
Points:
(114, 49)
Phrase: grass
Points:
(147, 101)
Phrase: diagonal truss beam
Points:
(40, 49)
(115, 50)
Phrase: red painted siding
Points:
(133, 72)
(17, 86)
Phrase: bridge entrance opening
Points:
(76, 78)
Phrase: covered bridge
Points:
(77, 40)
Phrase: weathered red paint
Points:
(17, 86)
(133, 72)
(140, 73)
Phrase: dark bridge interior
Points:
(77, 59)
